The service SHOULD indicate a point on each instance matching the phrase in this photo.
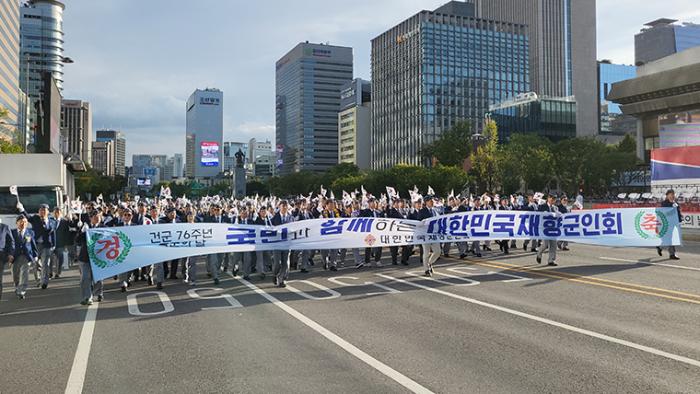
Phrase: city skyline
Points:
(142, 89)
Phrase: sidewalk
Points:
(691, 234)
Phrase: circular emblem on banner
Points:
(108, 249)
(651, 225)
(370, 239)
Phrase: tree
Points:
(452, 147)
(526, 160)
(9, 147)
(485, 161)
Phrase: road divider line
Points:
(629, 287)
(76, 379)
(650, 263)
(386, 370)
(583, 331)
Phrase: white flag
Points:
(452, 193)
(13, 190)
(332, 196)
(431, 191)
(323, 191)
(99, 199)
(391, 192)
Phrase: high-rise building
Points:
(230, 150)
(550, 117)
(119, 148)
(354, 123)
(152, 167)
(104, 157)
(9, 77)
(204, 133)
(261, 158)
(663, 37)
(177, 165)
(612, 121)
(41, 31)
(308, 79)
(562, 49)
(76, 128)
(435, 69)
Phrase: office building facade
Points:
(152, 167)
(438, 68)
(41, 49)
(76, 128)
(612, 121)
(550, 117)
(261, 158)
(354, 123)
(117, 137)
(664, 37)
(562, 49)
(308, 79)
(204, 133)
(104, 157)
(9, 70)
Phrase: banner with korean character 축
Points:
(114, 250)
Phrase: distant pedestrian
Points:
(670, 202)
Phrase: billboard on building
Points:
(143, 181)
(210, 154)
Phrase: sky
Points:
(137, 61)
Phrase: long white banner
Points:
(114, 250)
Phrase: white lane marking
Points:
(467, 282)
(132, 300)
(550, 322)
(460, 270)
(650, 263)
(333, 293)
(387, 290)
(76, 379)
(397, 376)
(233, 302)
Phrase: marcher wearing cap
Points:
(45, 237)
(88, 289)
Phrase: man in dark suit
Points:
(215, 260)
(670, 202)
(45, 238)
(170, 267)
(371, 212)
(65, 230)
(550, 244)
(280, 262)
(25, 252)
(7, 250)
(393, 212)
(431, 251)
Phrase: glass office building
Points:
(612, 121)
(550, 117)
(663, 37)
(9, 71)
(438, 68)
(308, 82)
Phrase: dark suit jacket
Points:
(669, 204)
(212, 219)
(425, 213)
(7, 242)
(369, 213)
(25, 245)
(43, 231)
(277, 219)
(65, 232)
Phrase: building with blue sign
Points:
(307, 86)
(435, 69)
(664, 37)
(612, 121)
(204, 134)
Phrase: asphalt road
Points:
(605, 320)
